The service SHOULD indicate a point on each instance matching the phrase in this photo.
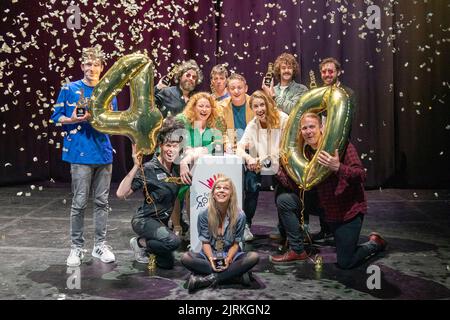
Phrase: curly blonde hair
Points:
(191, 114)
(273, 117)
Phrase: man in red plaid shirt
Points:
(342, 198)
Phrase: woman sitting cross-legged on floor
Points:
(221, 229)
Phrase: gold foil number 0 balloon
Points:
(142, 120)
(339, 107)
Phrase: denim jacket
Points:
(287, 101)
(230, 236)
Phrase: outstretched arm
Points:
(124, 189)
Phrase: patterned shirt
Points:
(82, 143)
(342, 194)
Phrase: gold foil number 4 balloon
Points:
(142, 120)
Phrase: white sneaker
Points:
(75, 257)
(139, 253)
(248, 236)
(103, 252)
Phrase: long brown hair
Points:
(272, 115)
(232, 211)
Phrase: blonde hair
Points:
(236, 76)
(232, 210)
(191, 114)
(313, 116)
(272, 114)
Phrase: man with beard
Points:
(330, 70)
(286, 93)
(173, 99)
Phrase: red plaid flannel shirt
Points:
(342, 194)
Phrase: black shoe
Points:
(322, 236)
(246, 279)
(199, 282)
(282, 245)
(184, 226)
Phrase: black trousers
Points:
(198, 264)
(160, 240)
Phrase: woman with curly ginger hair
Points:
(205, 128)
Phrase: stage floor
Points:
(34, 244)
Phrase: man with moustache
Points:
(173, 99)
(330, 70)
(287, 92)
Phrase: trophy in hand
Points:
(269, 75)
(312, 82)
(219, 259)
(81, 105)
(166, 80)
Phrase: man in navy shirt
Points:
(89, 153)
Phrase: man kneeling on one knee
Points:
(342, 198)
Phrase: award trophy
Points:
(81, 105)
(219, 259)
(269, 75)
(312, 82)
(168, 78)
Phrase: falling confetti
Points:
(38, 45)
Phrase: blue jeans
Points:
(84, 178)
(252, 185)
(349, 253)
(289, 206)
(160, 240)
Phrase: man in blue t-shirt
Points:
(89, 153)
(237, 113)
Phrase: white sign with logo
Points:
(205, 172)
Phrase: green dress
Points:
(209, 138)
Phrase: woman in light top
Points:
(260, 148)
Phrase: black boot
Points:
(199, 282)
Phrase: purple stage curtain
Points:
(398, 72)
